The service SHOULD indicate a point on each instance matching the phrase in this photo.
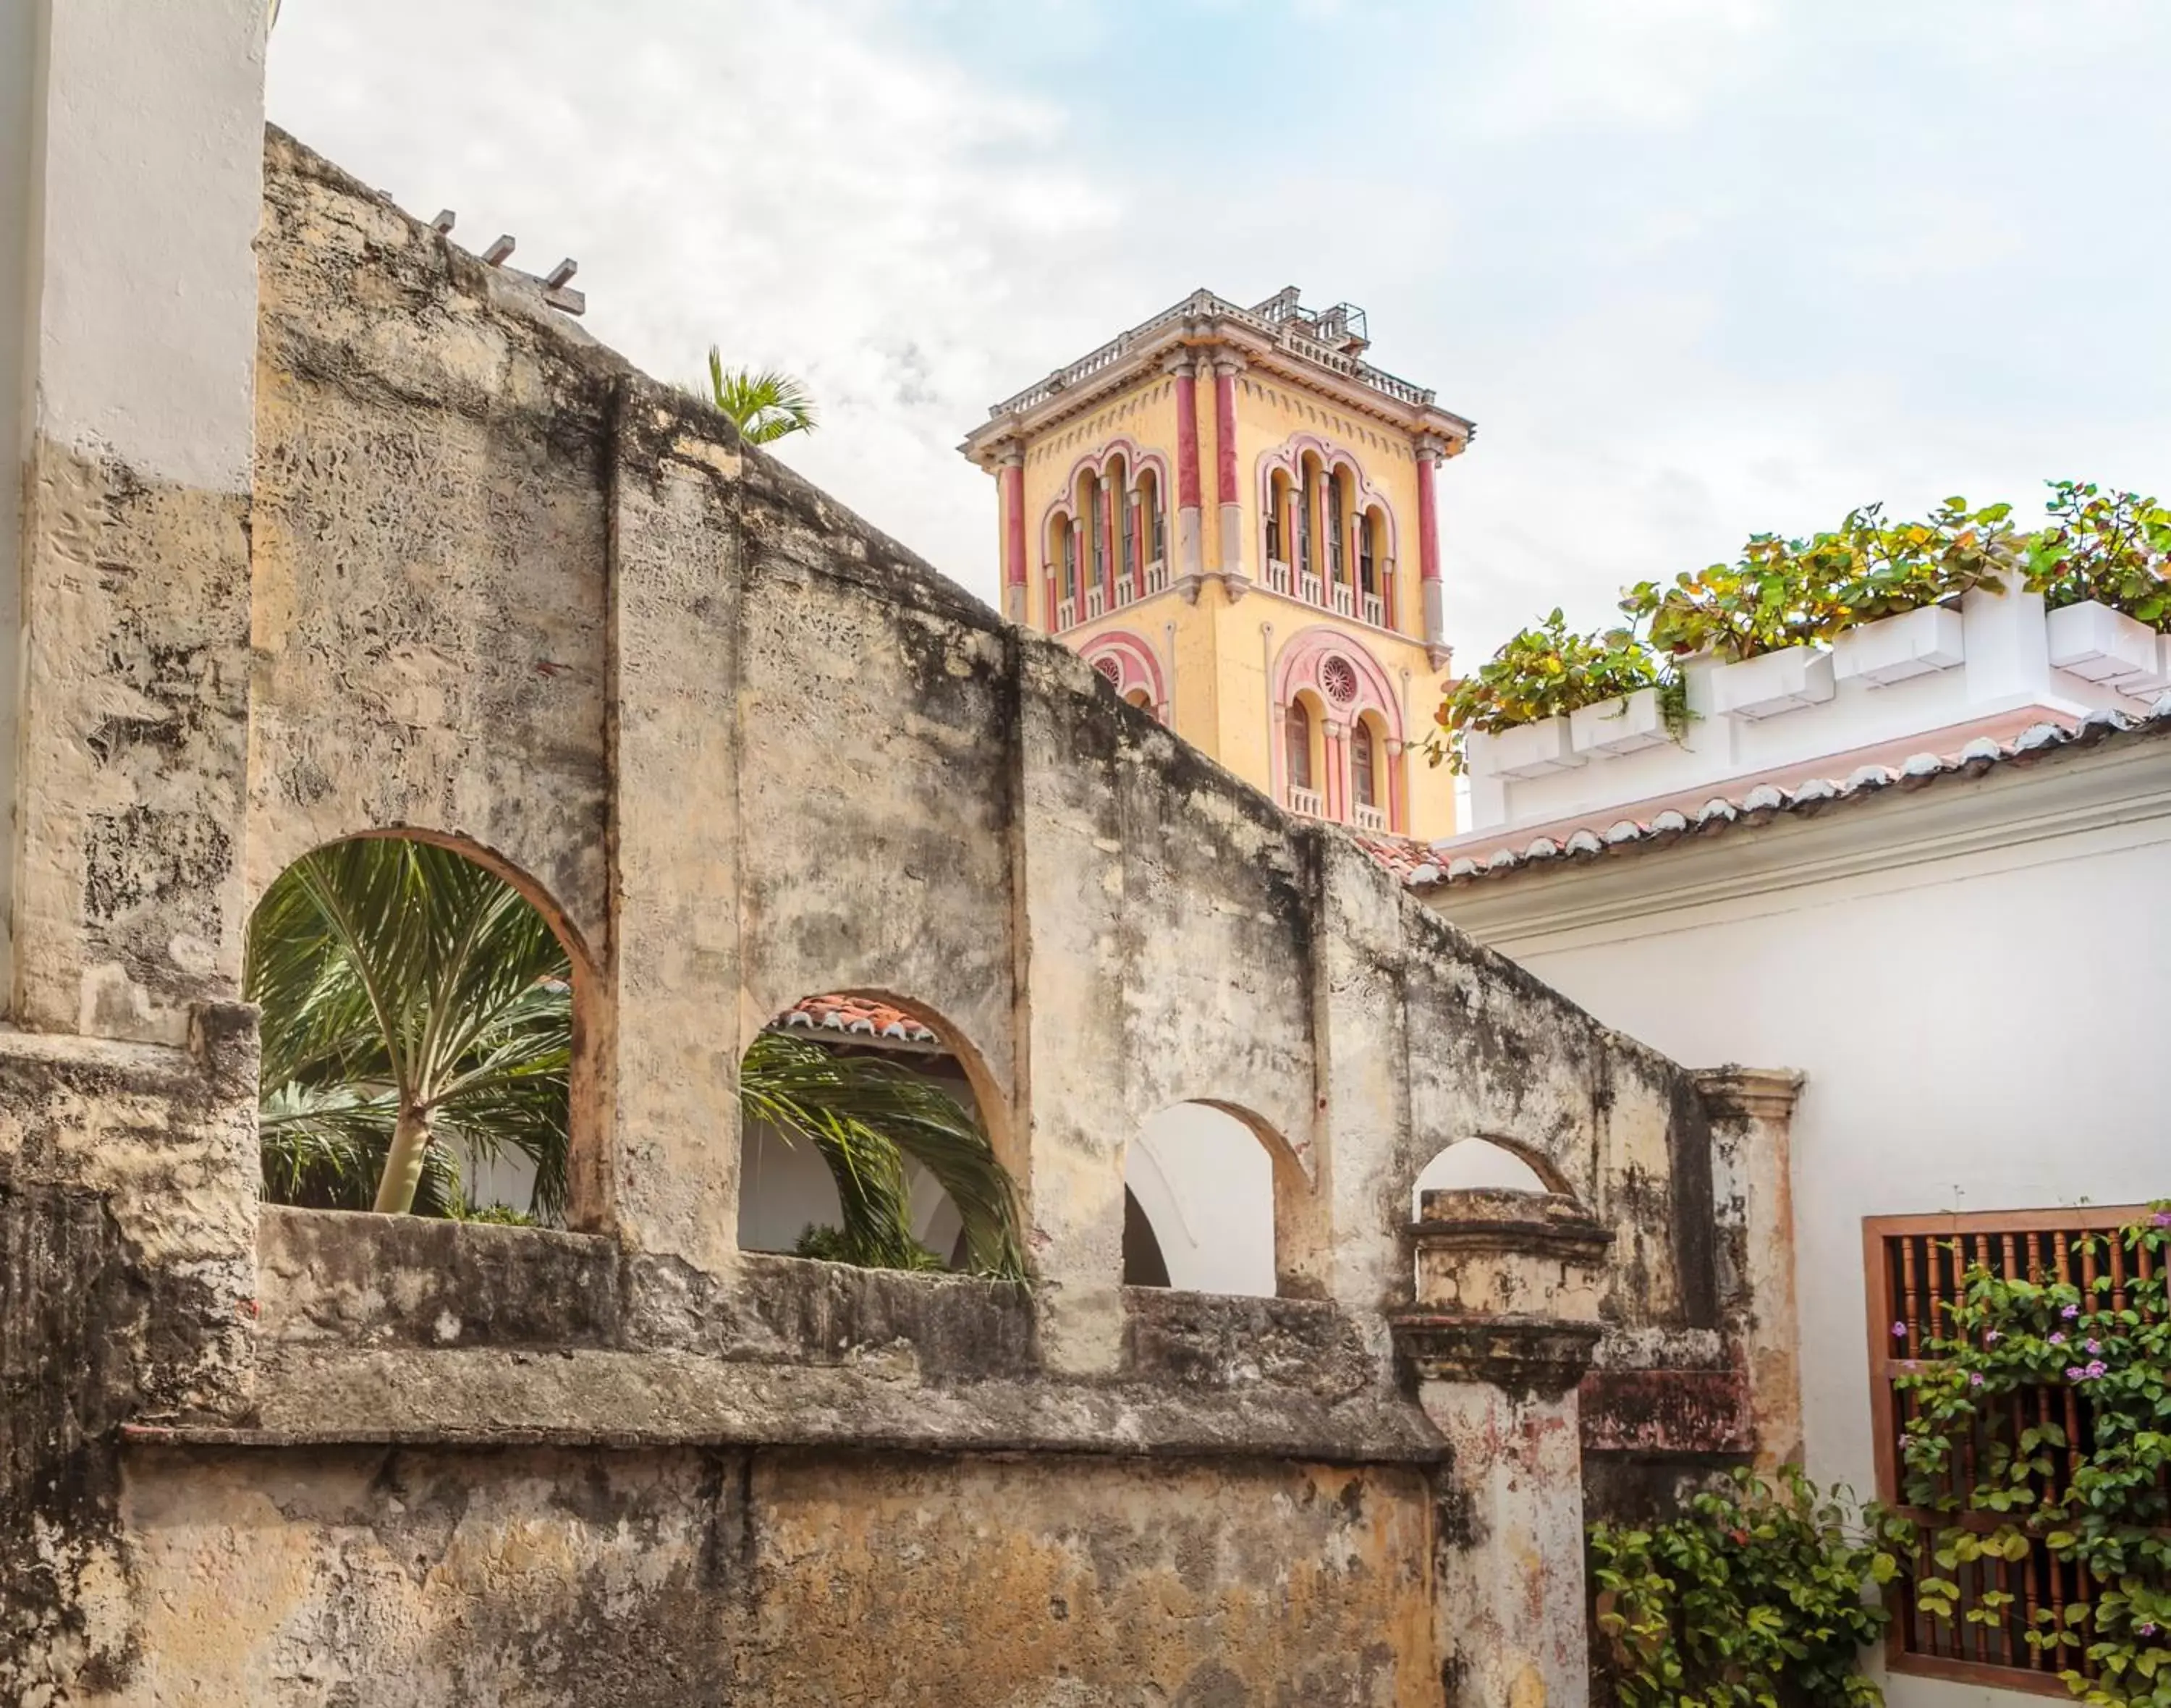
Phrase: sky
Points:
(1696, 268)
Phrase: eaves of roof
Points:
(1600, 840)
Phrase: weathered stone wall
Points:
(687, 1576)
(506, 591)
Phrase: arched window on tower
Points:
(1303, 791)
(1156, 519)
(1367, 764)
(1307, 560)
(1334, 527)
(1067, 548)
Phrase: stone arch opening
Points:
(427, 1043)
(1205, 1186)
(869, 1134)
(1487, 1164)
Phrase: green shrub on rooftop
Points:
(2110, 546)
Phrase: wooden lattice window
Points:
(1916, 1265)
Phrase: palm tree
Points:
(764, 404)
(411, 998)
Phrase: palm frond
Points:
(764, 404)
(866, 1115)
(400, 975)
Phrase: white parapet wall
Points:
(1928, 679)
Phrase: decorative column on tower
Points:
(1190, 543)
(1013, 499)
(1430, 450)
(1504, 1326)
(1227, 365)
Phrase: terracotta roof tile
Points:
(858, 1016)
(1441, 865)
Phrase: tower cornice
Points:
(1204, 328)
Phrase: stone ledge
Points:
(485, 1398)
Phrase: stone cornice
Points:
(1760, 1093)
(1203, 323)
(1544, 1355)
(2123, 790)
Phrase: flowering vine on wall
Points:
(2042, 1423)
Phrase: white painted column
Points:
(143, 193)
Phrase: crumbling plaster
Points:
(502, 590)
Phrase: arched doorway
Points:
(417, 1033)
(863, 1141)
(1199, 1204)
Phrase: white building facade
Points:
(1943, 901)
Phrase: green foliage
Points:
(865, 1116)
(1793, 593)
(833, 1245)
(409, 996)
(408, 992)
(1758, 1597)
(2112, 547)
(1546, 671)
(765, 404)
(2012, 1476)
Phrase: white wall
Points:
(1207, 1186)
(1980, 1032)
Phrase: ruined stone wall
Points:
(506, 591)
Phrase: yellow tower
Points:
(1291, 627)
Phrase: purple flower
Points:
(2070, 1312)
(1975, 1380)
(1899, 1331)
(1990, 1339)
(2058, 1339)
(2096, 1367)
(2075, 1373)
(2161, 1218)
(2093, 1346)
(2146, 1630)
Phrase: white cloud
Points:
(802, 183)
(1698, 267)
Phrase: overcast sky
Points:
(1696, 267)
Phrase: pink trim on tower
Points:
(1137, 665)
(1014, 524)
(1302, 664)
(1428, 518)
(1225, 434)
(1186, 441)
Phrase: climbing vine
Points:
(2042, 1425)
(1761, 1595)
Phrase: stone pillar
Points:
(1505, 1322)
(1752, 1114)
(1227, 365)
(1014, 554)
(1190, 545)
(1430, 450)
(137, 388)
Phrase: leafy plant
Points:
(1544, 672)
(764, 404)
(1757, 1597)
(2093, 1497)
(410, 997)
(1794, 593)
(2112, 547)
